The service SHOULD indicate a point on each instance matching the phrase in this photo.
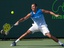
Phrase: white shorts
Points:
(42, 28)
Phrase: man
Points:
(39, 24)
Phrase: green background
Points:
(22, 8)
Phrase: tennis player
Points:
(39, 24)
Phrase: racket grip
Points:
(16, 23)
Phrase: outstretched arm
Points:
(23, 19)
(50, 12)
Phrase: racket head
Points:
(6, 28)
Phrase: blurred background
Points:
(22, 8)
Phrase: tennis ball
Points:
(12, 12)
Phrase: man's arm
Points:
(23, 19)
(50, 12)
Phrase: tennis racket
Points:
(6, 28)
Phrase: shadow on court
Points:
(41, 46)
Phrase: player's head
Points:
(34, 7)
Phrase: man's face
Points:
(33, 7)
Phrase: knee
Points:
(49, 35)
(28, 32)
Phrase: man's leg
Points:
(54, 38)
(22, 36)
(44, 29)
(32, 29)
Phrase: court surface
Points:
(32, 43)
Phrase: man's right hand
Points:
(16, 23)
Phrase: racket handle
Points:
(16, 23)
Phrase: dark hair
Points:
(34, 4)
